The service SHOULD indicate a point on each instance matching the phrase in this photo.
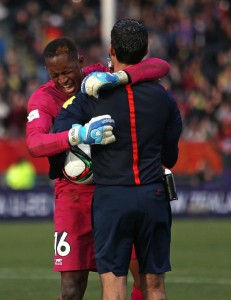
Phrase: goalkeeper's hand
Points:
(97, 81)
(97, 131)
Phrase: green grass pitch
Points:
(201, 262)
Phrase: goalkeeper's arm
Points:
(149, 69)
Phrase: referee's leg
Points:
(152, 286)
(114, 287)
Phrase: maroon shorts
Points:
(73, 237)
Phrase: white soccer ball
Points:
(78, 165)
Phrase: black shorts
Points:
(123, 215)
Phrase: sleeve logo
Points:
(34, 114)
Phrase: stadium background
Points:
(194, 36)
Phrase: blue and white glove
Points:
(97, 131)
(97, 81)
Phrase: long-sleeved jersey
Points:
(43, 107)
(45, 104)
(147, 129)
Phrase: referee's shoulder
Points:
(155, 85)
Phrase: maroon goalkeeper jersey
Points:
(43, 107)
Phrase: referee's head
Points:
(129, 40)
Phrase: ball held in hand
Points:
(78, 166)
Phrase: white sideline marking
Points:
(9, 273)
(47, 274)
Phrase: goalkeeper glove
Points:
(97, 81)
(97, 131)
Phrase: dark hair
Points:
(129, 38)
(60, 46)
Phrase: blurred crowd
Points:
(194, 36)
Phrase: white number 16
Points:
(61, 247)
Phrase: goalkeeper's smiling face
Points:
(66, 73)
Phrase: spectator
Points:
(21, 175)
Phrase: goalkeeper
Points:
(73, 243)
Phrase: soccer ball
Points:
(78, 166)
